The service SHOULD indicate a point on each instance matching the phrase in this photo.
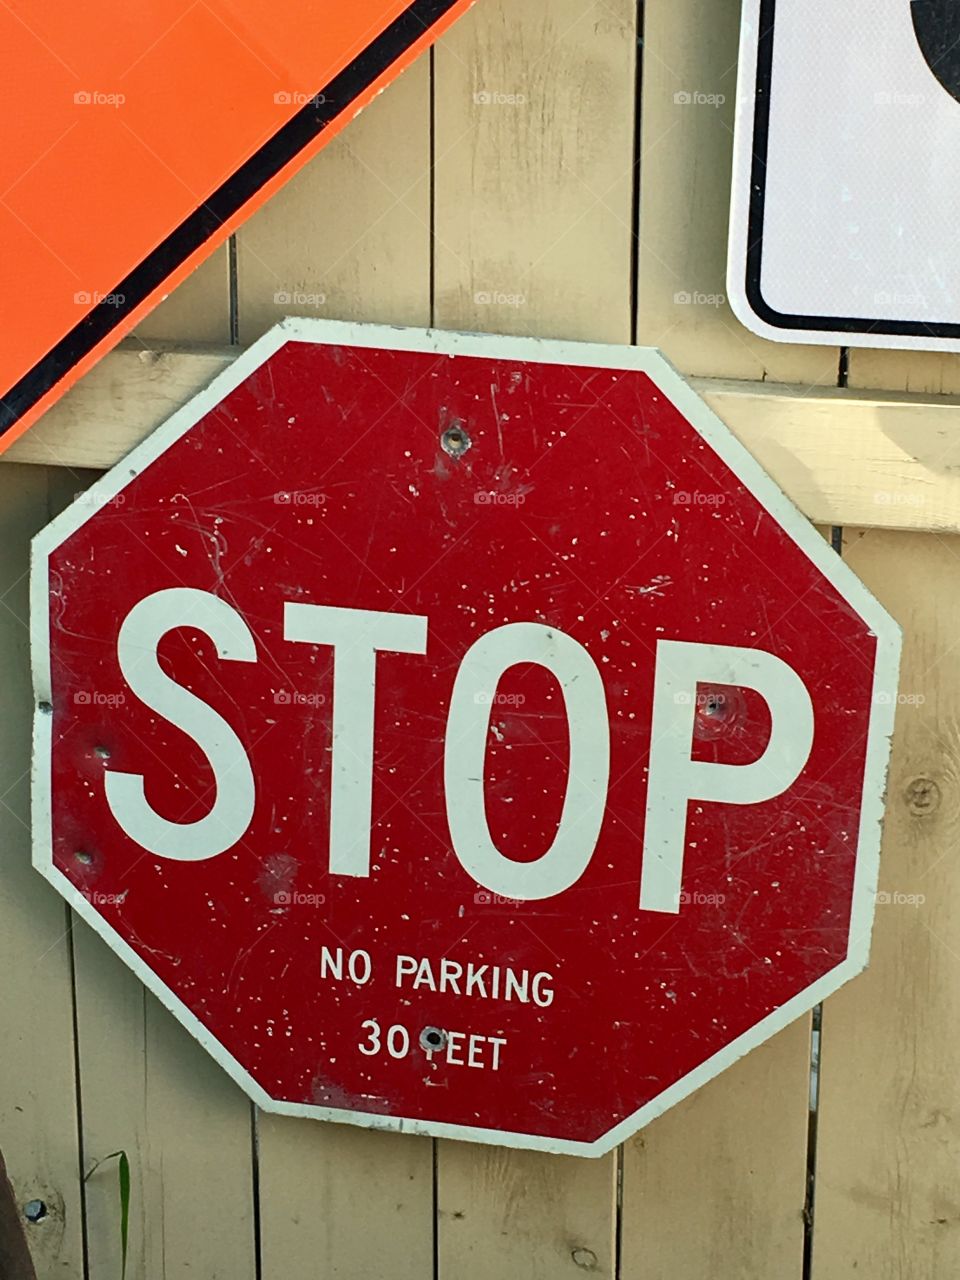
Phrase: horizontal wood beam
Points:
(844, 457)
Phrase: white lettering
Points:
(424, 977)
(331, 965)
(373, 1039)
(468, 725)
(542, 993)
(357, 636)
(229, 816)
(450, 975)
(674, 778)
(398, 1042)
(474, 1045)
(359, 967)
(450, 1049)
(517, 987)
(475, 981)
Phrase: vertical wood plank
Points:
(147, 1088)
(534, 169)
(339, 1203)
(534, 190)
(150, 1090)
(38, 1117)
(349, 238)
(197, 311)
(690, 48)
(888, 1157)
(523, 1213)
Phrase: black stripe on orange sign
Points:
(330, 102)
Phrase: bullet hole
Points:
(585, 1258)
(102, 753)
(719, 711)
(923, 797)
(35, 1210)
(432, 1039)
(83, 857)
(44, 707)
(455, 440)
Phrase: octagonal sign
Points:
(460, 734)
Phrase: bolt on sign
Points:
(847, 173)
(428, 719)
(126, 161)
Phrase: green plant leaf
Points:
(123, 1170)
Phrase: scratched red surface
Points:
(584, 503)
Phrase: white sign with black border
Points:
(845, 222)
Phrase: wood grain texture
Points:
(888, 1166)
(534, 169)
(888, 1156)
(129, 394)
(149, 1089)
(918, 372)
(690, 48)
(38, 1116)
(850, 457)
(522, 1213)
(349, 237)
(341, 1204)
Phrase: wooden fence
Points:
(536, 174)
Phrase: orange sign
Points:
(137, 137)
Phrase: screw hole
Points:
(455, 440)
(35, 1210)
(432, 1039)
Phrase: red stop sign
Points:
(460, 734)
